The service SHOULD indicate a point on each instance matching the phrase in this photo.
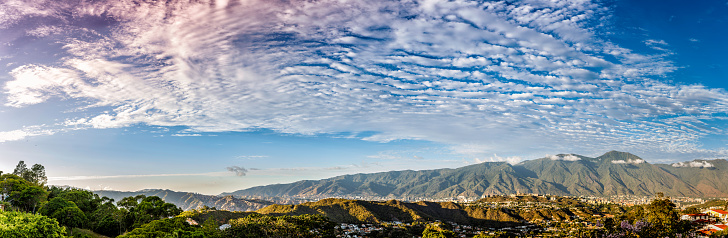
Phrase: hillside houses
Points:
(712, 221)
(719, 214)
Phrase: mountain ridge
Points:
(189, 201)
(613, 173)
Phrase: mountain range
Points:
(614, 173)
(189, 201)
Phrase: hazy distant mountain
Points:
(614, 173)
(188, 201)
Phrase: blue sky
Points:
(215, 96)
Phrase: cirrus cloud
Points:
(498, 75)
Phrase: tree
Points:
(20, 224)
(21, 169)
(210, 228)
(35, 175)
(140, 209)
(29, 198)
(105, 219)
(662, 215)
(9, 183)
(38, 174)
(70, 216)
(20, 193)
(657, 219)
(85, 200)
(435, 231)
(691, 210)
(54, 205)
(66, 212)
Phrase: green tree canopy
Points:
(257, 225)
(54, 205)
(35, 174)
(20, 224)
(20, 193)
(436, 231)
(173, 227)
(665, 219)
(85, 200)
(66, 212)
(140, 209)
(70, 216)
(106, 219)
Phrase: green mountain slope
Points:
(614, 173)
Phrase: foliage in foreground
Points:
(254, 225)
(20, 224)
(257, 225)
(75, 209)
(172, 227)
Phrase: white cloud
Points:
(565, 157)
(15, 135)
(399, 69)
(44, 31)
(187, 135)
(251, 157)
(629, 161)
(693, 164)
(496, 158)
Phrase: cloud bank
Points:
(694, 164)
(498, 75)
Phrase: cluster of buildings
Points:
(710, 221)
(357, 230)
(346, 230)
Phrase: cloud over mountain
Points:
(694, 164)
(629, 161)
(564, 157)
(481, 73)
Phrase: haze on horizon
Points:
(214, 96)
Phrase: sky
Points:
(212, 96)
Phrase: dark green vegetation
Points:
(189, 201)
(567, 175)
(251, 225)
(40, 211)
(21, 224)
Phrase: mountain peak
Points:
(618, 157)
